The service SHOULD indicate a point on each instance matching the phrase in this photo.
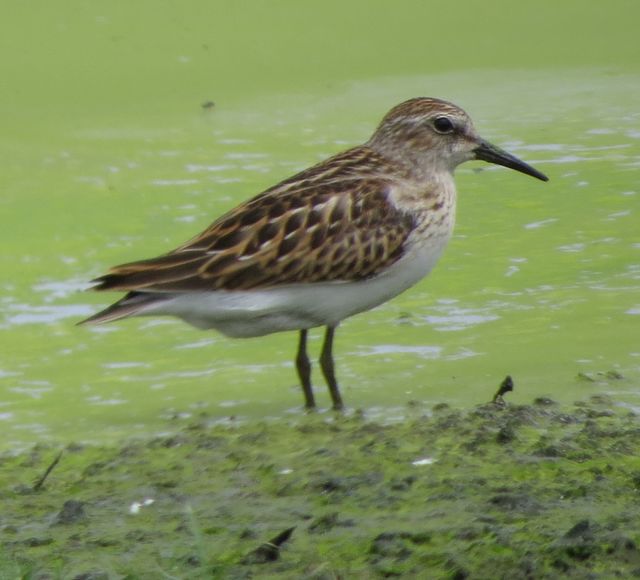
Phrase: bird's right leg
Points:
(328, 368)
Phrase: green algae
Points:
(526, 491)
(108, 156)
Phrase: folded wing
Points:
(332, 225)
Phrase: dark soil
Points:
(500, 491)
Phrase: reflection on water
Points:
(425, 352)
(33, 389)
(428, 352)
(97, 400)
(453, 316)
(203, 343)
(28, 314)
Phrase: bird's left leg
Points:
(303, 366)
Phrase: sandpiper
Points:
(334, 240)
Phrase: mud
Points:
(499, 491)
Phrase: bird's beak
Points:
(492, 154)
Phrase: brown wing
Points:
(328, 223)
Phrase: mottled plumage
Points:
(338, 238)
(331, 222)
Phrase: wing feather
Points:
(332, 222)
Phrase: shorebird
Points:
(334, 240)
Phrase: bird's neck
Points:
(436, 193)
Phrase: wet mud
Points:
(498, 491)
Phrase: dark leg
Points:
(326, 364)
(304, 371)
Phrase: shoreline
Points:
(525, 491)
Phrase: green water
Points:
(108, 156)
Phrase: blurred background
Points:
(127, 128)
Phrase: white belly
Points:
(294, 307)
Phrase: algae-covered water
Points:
(108, 155)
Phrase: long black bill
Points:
(488, 152)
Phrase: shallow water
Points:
(541, 281)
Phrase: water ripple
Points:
(27, 314)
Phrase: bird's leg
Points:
(304, 371)
(326, 364)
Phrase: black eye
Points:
(443, 125)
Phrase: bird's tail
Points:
(134, 303)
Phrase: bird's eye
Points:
(443, 125)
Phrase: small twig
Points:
(40, 481)
(506, 386)
(269, 551)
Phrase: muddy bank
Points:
(515, 491)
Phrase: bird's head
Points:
(434, 135)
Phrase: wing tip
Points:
(132, 304)
(109, 314)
